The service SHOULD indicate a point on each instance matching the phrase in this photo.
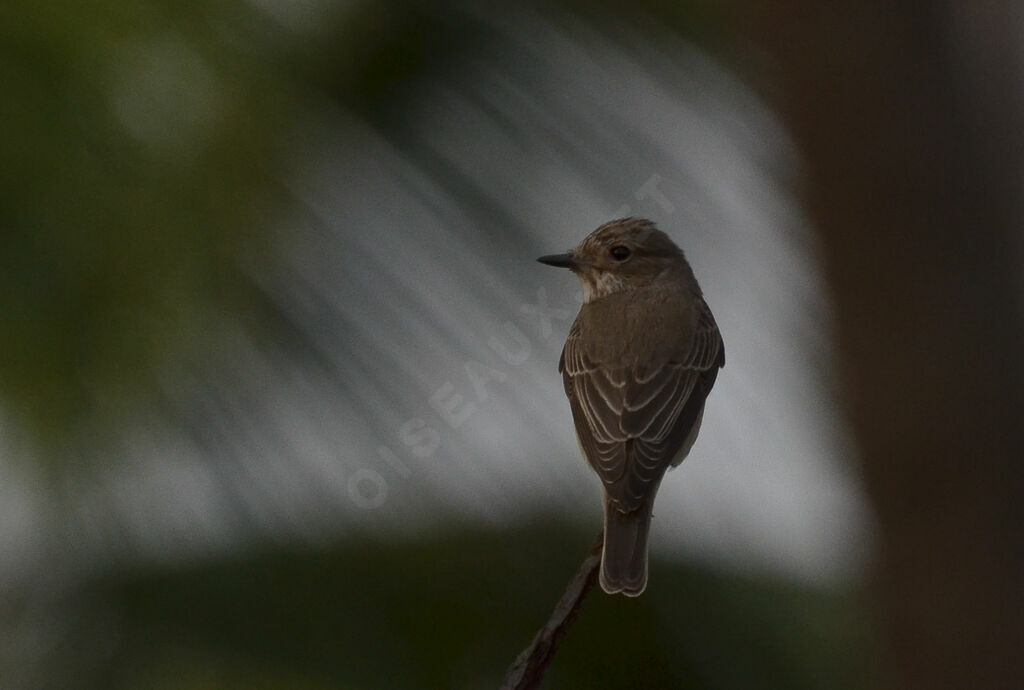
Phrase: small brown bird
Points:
(639, 362)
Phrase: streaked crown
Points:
(639, 235)
(627, 253)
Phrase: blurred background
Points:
(279, 405)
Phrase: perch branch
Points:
(528, 669)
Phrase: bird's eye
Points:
(619, 253)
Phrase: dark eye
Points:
(619, 253)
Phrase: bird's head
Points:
(621, 255)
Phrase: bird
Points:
(638, 364)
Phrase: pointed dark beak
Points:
(559, 260)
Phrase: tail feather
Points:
(624, 559)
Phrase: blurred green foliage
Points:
(143, 151)
(136, 144)
(453, 612)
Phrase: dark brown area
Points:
(909, 118)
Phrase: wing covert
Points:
(632, 422)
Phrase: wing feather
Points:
(631, 422)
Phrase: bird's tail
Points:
(624, 559)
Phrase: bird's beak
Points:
(559, 260)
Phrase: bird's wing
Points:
(631, 422)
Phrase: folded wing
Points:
(631, 422)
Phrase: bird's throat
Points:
(602, 284)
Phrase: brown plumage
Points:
(639, 362)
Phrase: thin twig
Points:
(528, 669)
